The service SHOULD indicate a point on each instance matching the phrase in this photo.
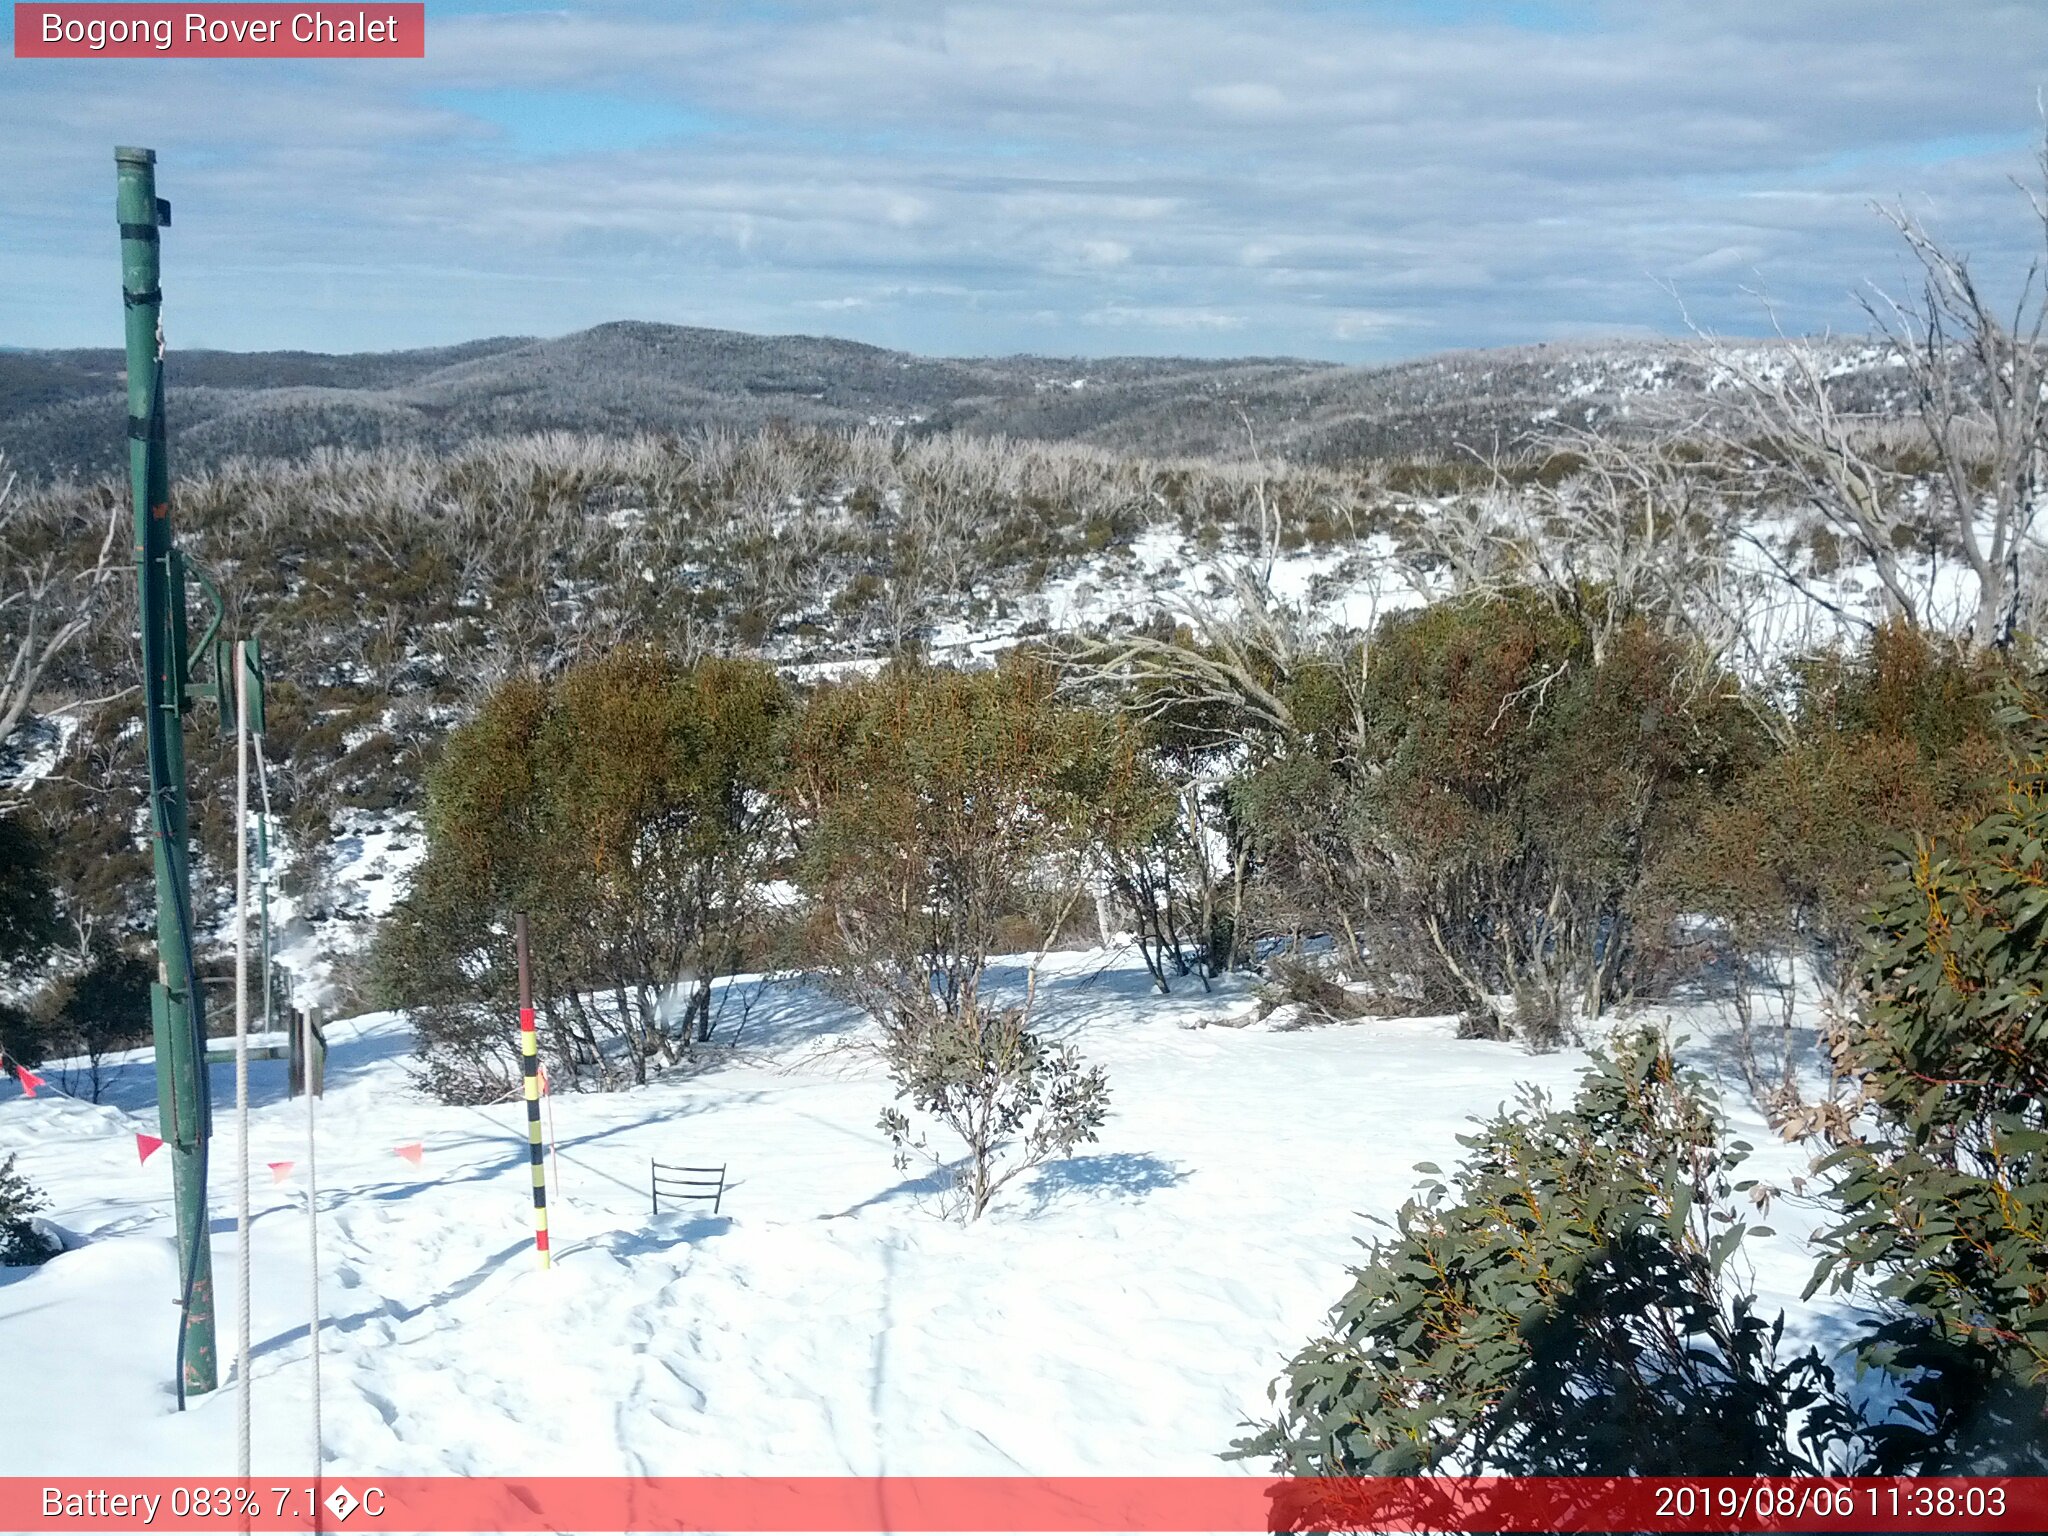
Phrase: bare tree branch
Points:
(46, 605)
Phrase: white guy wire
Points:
(312, 1230)
(308, 1028)
(241, 1057)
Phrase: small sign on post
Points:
(308, 1045)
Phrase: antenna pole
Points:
(177, 1010)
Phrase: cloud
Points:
(1163, 317)
(1368, 325)
(1261, 175)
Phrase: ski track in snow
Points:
(1121, 1312)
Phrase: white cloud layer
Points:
(1341, 180)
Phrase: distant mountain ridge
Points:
(62, 412)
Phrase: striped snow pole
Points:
(529, 1066)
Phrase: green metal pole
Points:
(183, 1100)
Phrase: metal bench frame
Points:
(680, 1183)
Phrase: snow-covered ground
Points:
(368, 859)
(1120, 1312)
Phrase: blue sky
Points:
(1356, 181)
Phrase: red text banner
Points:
(234, 31)
(1016, 1504)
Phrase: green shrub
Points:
(1893, 739)
(1945, 1200)
(932, 810)
(105, 1009)
(931, 804)
(24, 1038)
(28, 914)
(20, 1242)
(1561, 1306)
(1480, 792)
(625, 807)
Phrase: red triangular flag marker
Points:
(28, 1080)
(144, 1145)
(279, 1172)
(543, 1079)
(412, 1152)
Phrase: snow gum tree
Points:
(1958, 472)
(937, 812)
(1476, 792)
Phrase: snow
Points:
(373, 852)
(370, 854)
(1351, 584)
(41, 747)
(1120, 1312)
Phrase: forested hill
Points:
(61, 413)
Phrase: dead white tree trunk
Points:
(1977, 379)
(1966, 479)
(45, 604)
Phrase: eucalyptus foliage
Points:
(940, 818)
(1562, 1304)
(625, 805)
(1945, 1197)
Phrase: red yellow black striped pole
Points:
(529, 1067)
